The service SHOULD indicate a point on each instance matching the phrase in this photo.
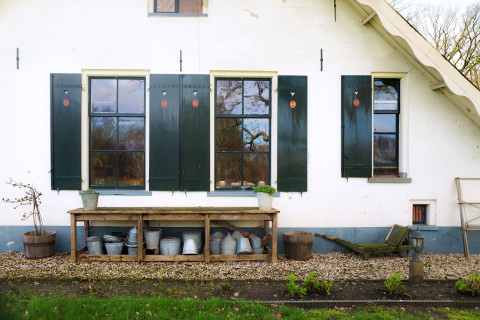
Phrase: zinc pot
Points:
(170, 246)
(94, 245)
(264, 201)
(39, 245)
(90, 201)
(114, 248)
(298, 245)
(152, 237)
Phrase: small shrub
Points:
(294, 289)
(470, 286)
(265, 189)
(314, 285)
(89, 191)
(394, 285)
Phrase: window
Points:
(117, 132)
(242, 132)
(178, 6)
(419, 214)
(386, 108)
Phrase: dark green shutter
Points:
(65, 131)
(356, 126)
(292, 134)
(164, 132)
(195, 133)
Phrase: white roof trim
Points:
(383, 18)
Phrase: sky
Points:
(459, 3)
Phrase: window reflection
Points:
(103, 95)
(103, 133)
(131, 96)
(229, 97)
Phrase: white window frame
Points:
(86, 74)
(273, 77)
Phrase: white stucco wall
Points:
(275, 36)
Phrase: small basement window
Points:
(178, 6)
(419, 214)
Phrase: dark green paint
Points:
(356, 127)
(195, 133)
(65, 131)
(179, 133)
(292, 134)
(164, 132)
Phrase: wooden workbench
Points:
(144, 214)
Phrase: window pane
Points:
(131, 134)
(131, 167)
(103, 133)
(131, 96)
(165, 5)
(385, 95)
(229, 97)
(257, 97)
(256, 134)
(256, 169)
(385, 123)
(228, 134)
(103, 168)
(228, 169)
(190, 6)
(385, 149)
(103, 95)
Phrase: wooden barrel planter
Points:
(38, 245)
(298, 245)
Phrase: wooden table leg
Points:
(73, 238)
(140, 238)
(274, 238)
(206, 250)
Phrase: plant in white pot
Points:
(89, 199)
(39, 243)
(265, 196)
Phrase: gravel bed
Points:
(334, 266)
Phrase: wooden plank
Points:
(172, 210)
(82, 250)
(170, 217)
(73, 238)
(175, 258)
(206, 250)
(106, 217)
(274, 239)
(106, 257)
(239, 257)
(140, 239)
(238, 216)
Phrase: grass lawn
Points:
(24, 305)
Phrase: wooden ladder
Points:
(463, 204)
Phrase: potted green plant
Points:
(39, 243)
(264, 196)
(89, 199)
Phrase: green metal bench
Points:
(397, 240)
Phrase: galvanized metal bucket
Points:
(190, 246)
(94, 245)
(243, 246)
(170, 246)
(114, 248)
(152, 237)
(195, 235)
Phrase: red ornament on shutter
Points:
(293, 104)
(195, 103)
(356, 102)
(66, 102)
(164, 103)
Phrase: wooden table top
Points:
(174, 210)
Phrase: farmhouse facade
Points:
(341, 105)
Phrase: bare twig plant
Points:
(31, 198)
